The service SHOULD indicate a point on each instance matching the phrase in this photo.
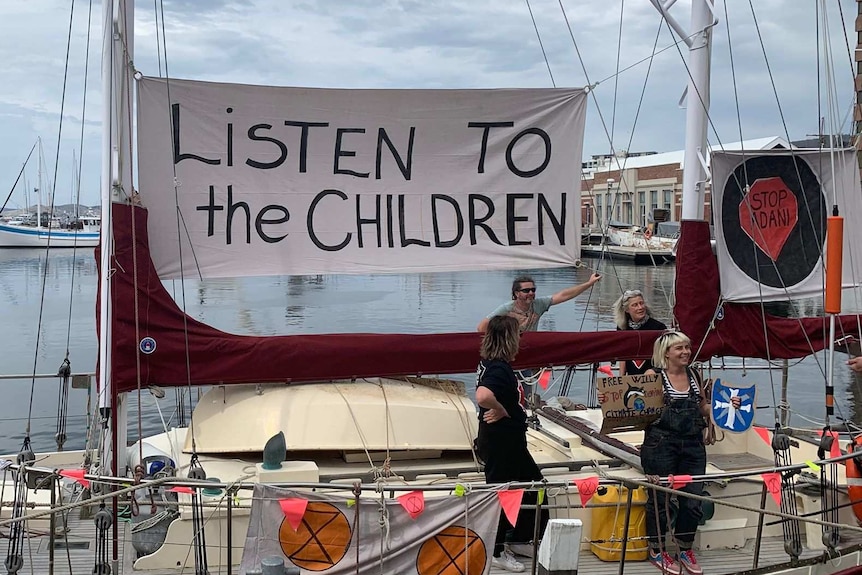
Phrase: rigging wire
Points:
(47, 247)
(17, 179)
(775, 403)
(541, 45)
(66, 368)
(617, 75)
(158, 38)
(668, 294)
(81, 163)
(181, 226)
(712, 125)
(854, 140)
(609, 135)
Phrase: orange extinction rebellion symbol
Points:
(767, 214)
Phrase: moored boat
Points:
(311, 412)
(22, 235)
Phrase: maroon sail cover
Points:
(742, 330)
(215, 357)
(188, 352)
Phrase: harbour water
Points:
(38, 294)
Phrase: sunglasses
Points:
(629, 294)
(527, 290)
(667, 333)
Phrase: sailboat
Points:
(26, 234)
(351, 415)
(44, 230)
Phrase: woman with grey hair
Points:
(632, 312)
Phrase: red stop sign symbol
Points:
(767, 214)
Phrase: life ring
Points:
(648, 234)
(854, 476)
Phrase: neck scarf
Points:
(637, 324)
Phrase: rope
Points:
(829, 491)
(14, 558)
(388, 420)
(358, 430)
(464, 418)
(781, 450)
(199, 541)
(103, 520)
(64, 373)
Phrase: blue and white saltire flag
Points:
(724, 414)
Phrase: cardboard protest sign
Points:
(630, 402)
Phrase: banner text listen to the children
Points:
(314, 181)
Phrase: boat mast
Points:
(694, 176)
(857, 141)
(105, 202)
(116, 184)
(38, 191)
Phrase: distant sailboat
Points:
(22, 234)
(44, 230)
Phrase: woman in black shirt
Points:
(502, 441)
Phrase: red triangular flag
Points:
(764, 434)
(587, 488)
(678, 481)
(182, 489)
(413, 503)
(606, 369)
(77, 475)
(293, 509)
(510, 501)
(773, 485)
(835, 451)
(545, 379)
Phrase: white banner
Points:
(317, 181)
(770, 210)
(318, 532)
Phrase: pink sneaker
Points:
(689, 562)
(665, 562)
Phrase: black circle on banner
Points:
(804, 245)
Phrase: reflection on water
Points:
(413, 303)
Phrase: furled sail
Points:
(159, 344)
(721, 328)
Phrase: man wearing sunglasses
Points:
(527, 308)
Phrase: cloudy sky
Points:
(430, 44)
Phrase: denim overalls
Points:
(673, 445)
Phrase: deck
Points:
(74, 555)
(638, 256)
